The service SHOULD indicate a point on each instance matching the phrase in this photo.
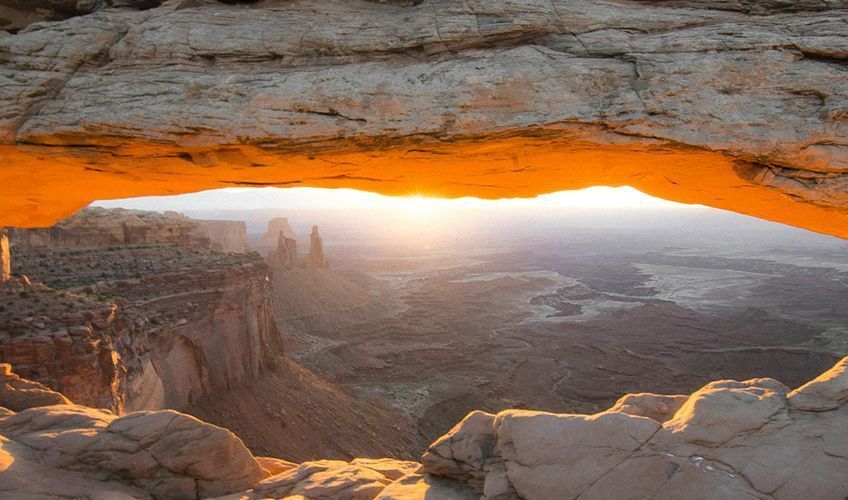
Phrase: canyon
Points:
(738, 105)
(387, 347)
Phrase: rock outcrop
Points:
(284, 256)
(74, 451)
(737, 105)
(5, 257)
(730, 439)
(751, 439)
(316, 257)
(224, 235)
(276, 226)
(95, 227)
(18, 394)
(66, 341)
(125, 325)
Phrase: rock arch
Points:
(737, 105)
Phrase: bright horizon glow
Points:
(350, 199)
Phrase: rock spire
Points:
(5, 257)
(285, 255)
(316, 255)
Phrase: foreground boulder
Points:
(730, 439)
(163, 454)
(18, 394)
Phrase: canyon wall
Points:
(126, 324)
(67, 341)
(99, 227)
(223, 235)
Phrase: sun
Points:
(421, 205)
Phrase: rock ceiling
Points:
(740, 105)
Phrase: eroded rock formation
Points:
(99, 227)
(127, 326)
(738, 105)
(5, 257)
(751, 439)
(224, 235)
(316, 257)
(276, 226)
(284, 256)
(64, 340)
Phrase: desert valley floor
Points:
(540, 312)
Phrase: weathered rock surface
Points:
(66, 341)
(739, 105)
(143, 316)
(18, 394)
(826, 392)
(657, 407)
(99, 227)
(728, 440)
(161, 454)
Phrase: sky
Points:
(315, 198)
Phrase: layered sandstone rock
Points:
(224, 235)
(99, 227)
(730, 439)
(18, 394)
(66, 341)
(739, 105)
(284, 256)
(130, 326)
(70, 451)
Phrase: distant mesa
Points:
(97, 227)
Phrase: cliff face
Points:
(225, 236)
(99, 227)
(129, 326)
(203, 331)
(67, 341)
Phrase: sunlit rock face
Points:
(5, 257)
(730, 439)
(738, 105)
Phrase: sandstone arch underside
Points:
(741, 105)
